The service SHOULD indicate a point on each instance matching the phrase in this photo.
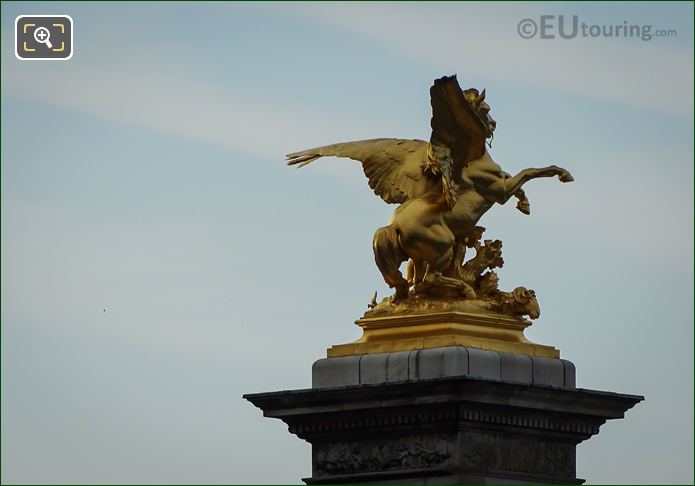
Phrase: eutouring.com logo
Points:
(562, 27)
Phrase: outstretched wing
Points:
(394, 167)
(455, 126)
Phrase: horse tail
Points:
(389, 256)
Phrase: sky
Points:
(159, 259)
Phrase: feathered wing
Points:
(394, 167)
(458, 133)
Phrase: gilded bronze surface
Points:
(443, 188)
(425, 330)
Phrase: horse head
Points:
(482, 109)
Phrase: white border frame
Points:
(72, 44)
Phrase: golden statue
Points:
(443, 187)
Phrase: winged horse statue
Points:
(443, 188)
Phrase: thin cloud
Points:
(172, 104)
(161, 99)
(484, 43)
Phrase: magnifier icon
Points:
(43, 36)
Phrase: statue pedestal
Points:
(423, 330)
(442, 416)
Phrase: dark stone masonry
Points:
(443, 416)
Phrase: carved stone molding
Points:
(500, 453)
(409, 452)
(397, 418)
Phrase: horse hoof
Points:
(524, 208)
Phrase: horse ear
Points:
(481, 98)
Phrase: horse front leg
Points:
(522, 204)
(513, 184)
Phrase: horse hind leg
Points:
(442, 272)
(389, 256)
(415, 271)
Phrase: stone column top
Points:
(443, 362)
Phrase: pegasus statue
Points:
(443, 188)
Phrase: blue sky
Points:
(146, 176)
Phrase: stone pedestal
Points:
(442, 416)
